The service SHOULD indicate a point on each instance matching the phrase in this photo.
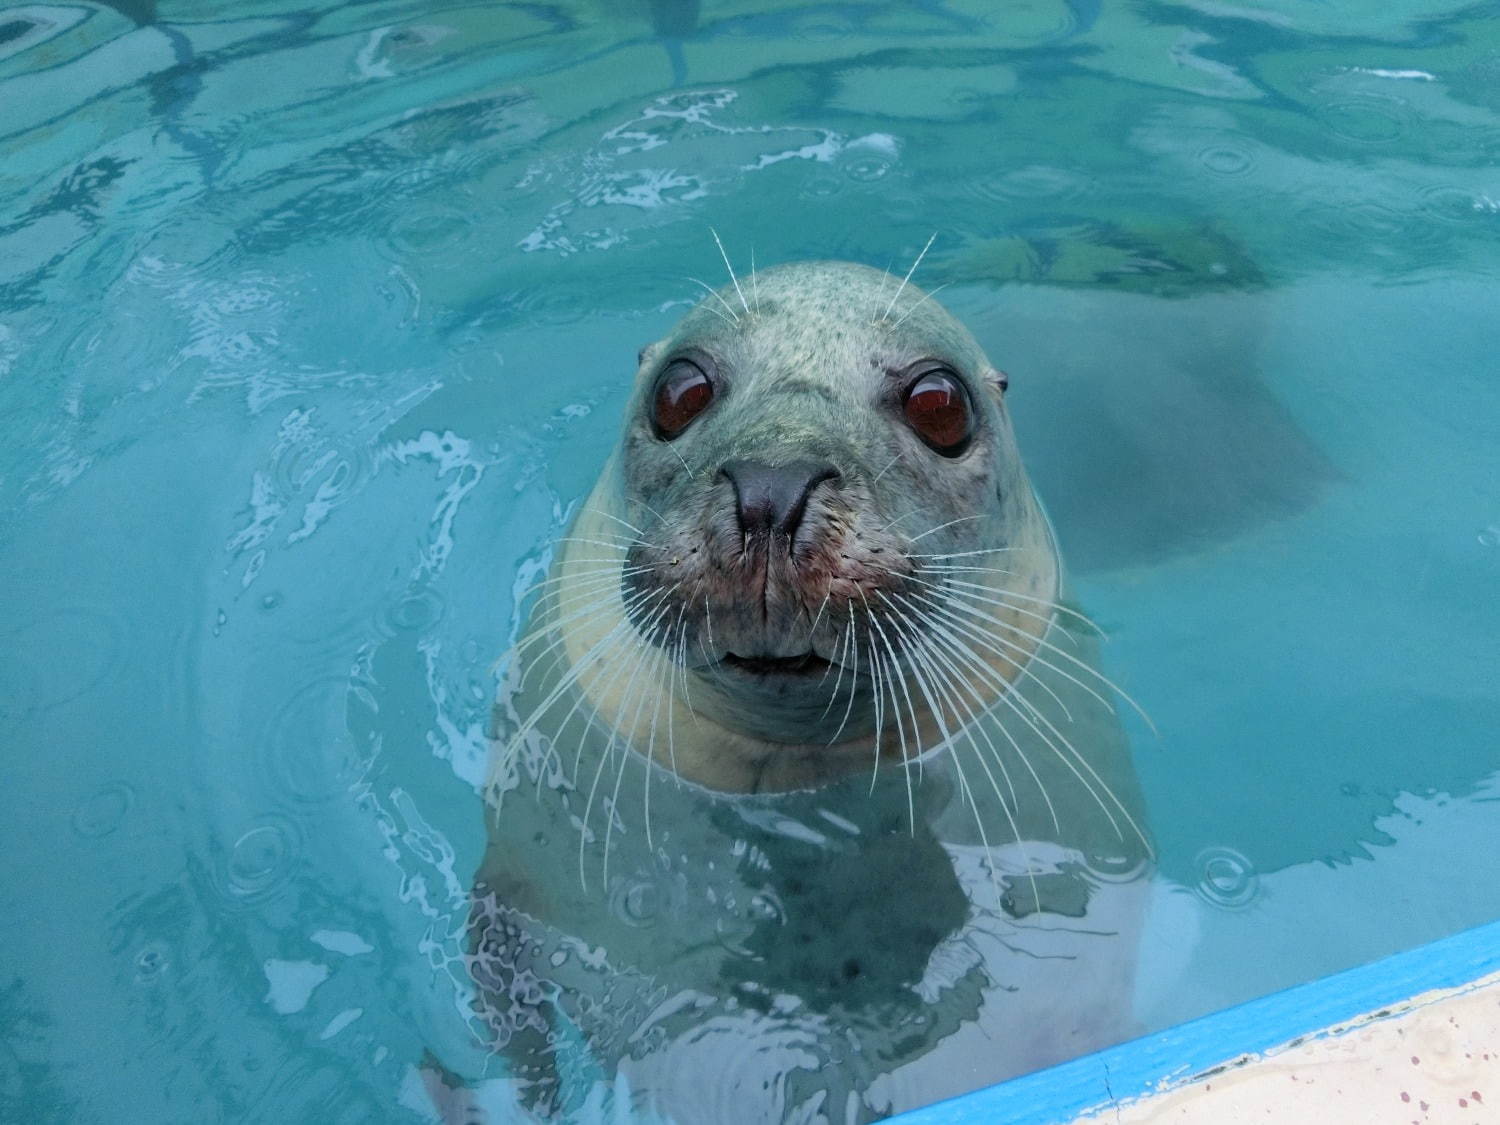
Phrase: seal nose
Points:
(772, 499)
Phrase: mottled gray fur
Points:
(870, 885)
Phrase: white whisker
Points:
(882, 472)
(607, 567)
(733, 318)
(988, 638)
(1057, 606)
(962, 554)
(567, 682)
(730, 268)
(879, 702)
(1002, 687)
(813, 628)
(939, 527)
(853, 646)
(661, 519)
(645, 631)
(944, 589)
(896, 714)
(592, 608)
(886, 315)
(625, 756)
(650, 757)
(504, 761)
(612, 544)
(915, 305)
(1082, 666)
(924, 652)
(605, 681)
(554, 638)
(617, 519)
(1011, 696)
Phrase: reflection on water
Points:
(316, 323)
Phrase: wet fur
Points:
(960, 709)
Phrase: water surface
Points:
(316, 322)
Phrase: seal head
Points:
(822, 529)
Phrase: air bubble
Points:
(151, 962)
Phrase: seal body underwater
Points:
(807, 798)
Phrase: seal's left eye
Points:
(682, 393)
(937, 407)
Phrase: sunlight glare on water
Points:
(316, 325)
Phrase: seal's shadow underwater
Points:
(807, 795)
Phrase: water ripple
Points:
(1117, 869)
(103, 811)
(1226, 159)
(55, 658)
(1368, 120)
(867, 167)
(746, 1056)
(819, 183)
(260, 863)
(1032, 183)
(1448, 203)
(432, 234)
(415, 611)
(1226, 879)
(307, 753)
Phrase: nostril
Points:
(772, 499)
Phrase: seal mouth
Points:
(806, 664)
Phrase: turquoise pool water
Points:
(316, 323)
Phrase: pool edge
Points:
(1171, 1059)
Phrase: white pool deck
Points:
(1411, 1038)
(1433, 1058)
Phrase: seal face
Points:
(827, 548)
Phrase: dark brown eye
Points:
(682, 393)
(937, 407)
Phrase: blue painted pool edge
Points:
(1063, 1092)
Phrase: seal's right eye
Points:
(682, 393)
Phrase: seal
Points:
(802, 703)
(808, 485)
